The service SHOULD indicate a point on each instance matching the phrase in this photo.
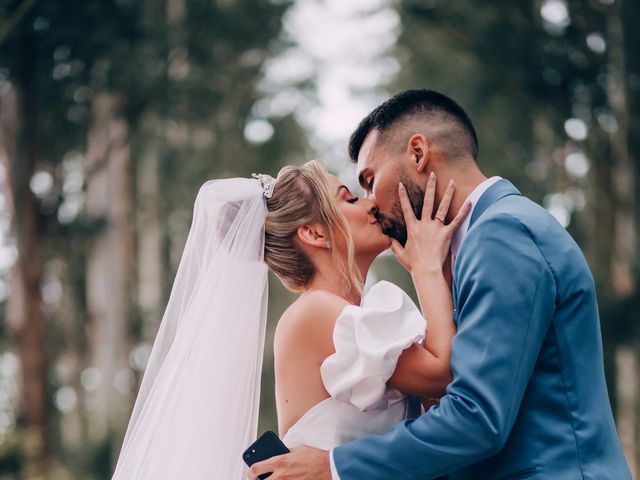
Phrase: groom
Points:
(528, 397)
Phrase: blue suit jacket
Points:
(528, 397)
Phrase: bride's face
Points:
(368, 238)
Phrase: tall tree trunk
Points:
(630, 10)
(624, 252)
(108, 206)
(629, 13)
(176, 134)
(19, 137)
(149, 232)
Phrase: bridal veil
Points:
(197, 407)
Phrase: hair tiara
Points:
(268, 183)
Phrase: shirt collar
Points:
(473, 197)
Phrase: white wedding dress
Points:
(368, 340)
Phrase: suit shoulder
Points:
(499, 237)
(496, 224)
(518, 214)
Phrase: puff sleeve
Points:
(368, 340)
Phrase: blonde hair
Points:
(302, 196)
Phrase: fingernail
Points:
(400, 186)
(451, 182)
(432, 175)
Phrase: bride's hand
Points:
(428, 240)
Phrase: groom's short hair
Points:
(423, 105)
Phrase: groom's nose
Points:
(373, 209)
(368, 201)
(376, 213)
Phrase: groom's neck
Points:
(466, 177)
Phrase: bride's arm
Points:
(425, 371)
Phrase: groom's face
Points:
(379, 171)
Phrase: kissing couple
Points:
(497, 374)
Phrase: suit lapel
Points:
(502, 188)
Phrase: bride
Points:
(346, 365)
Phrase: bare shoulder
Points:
(309, 320)
(303, 340)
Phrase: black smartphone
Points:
(266, 446)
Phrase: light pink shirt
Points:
(473, 197)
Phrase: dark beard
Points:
(394, 225)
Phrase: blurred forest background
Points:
(114, 112)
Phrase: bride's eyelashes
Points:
(345, 191)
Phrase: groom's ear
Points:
(312, 234)
(418, 149)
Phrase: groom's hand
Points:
(303, 463)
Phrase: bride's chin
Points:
(372, 251)
(373, 248)
(386, 241)
(383, 246)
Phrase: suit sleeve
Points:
(505, 295)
